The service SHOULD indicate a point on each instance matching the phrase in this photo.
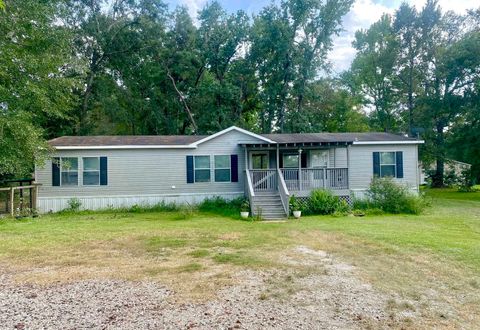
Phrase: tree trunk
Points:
(86, 97)
(437, 179)
(184, 102)
(410, 98)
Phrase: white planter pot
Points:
(244, 214)
(297, 214)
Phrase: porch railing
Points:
(337, 178)
(315, 178)
(306, 179)
(283, 192)
(264, 180)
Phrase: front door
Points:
(263, 178)
(260, 160)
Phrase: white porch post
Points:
(300, 169)
(246, 158)
(278, 157)
(348, 167)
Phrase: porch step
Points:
(270, 205)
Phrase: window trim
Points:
(290, 154)
(68, 171)
(222, 168)
(394, 163)
(84, 170)
(202, 168)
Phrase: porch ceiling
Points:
(294, 144)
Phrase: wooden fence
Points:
(17, 200)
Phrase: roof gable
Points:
(233, 128)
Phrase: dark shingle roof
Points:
(125, 140)
(335, 137)
(179, 140)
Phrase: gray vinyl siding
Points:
(135, 172)
(338, 157)
(361, 165)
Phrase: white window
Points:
(222, 168)
(202, 168)
(91, 171)
(387, 164)
(290, 161)
(69, 171)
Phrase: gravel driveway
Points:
(333, 298)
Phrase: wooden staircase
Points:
(268, 205)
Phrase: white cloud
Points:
(366, 12)
(193, 7)
(361, 16)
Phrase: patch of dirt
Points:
(315, 292)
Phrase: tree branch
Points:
(184, 102)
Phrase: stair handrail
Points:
(283, 192)
(250, 191)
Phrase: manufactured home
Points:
(121, 171)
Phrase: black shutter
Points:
(280, 160)
(234, 168)
(376, 163)
(303, 160)
(190, 169)
(399, 161)
(56, 171)
(103, 171)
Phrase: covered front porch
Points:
(296, 169)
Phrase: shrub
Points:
(25, 213)
(295, 204)
(386, 195)
(323, 202)
(221, 206)
(245, 207)
(159, 207)
(74, 205)
(466, 181)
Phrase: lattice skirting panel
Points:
(347, 199)
(303, 201)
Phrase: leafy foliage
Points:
(35, 88)
(418, 72)
(388, 196)
(135, 67)
(221, 206)
(74, 205)
(324, 202)
(295, 204)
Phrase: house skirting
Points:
(56, 204)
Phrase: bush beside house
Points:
(387, 196)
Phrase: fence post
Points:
(33, 197)
(12, 201)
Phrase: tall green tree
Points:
(329, 107)
(289, 45)
(106, 31)
(35, 86)
(450, 66)
(406, 27)
(374, 75)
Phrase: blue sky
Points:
(362, 15)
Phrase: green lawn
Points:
(406, 255)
